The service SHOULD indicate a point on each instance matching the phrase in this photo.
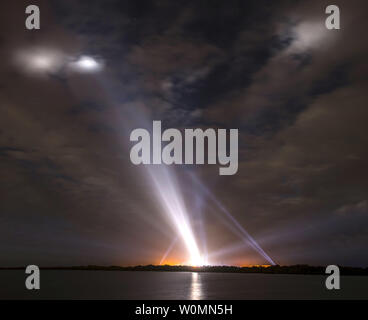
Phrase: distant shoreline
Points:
(294, 269)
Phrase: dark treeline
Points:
(294, 269)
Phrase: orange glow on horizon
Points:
(177, 262)
(256, 265)
(171, 262)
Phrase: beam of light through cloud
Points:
(246, 236)
(162, 179)
(170, 198)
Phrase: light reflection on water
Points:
(196, 287)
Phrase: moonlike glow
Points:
(309, 35)
(42, 61)
(86, 64)
(38, 61)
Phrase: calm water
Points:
(176, 285)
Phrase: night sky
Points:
(297, 92)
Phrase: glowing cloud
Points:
(86, 64)
(43, 61)
(309, 35)
(38, 61)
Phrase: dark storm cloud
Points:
(296, 91)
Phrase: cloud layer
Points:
(296, 91)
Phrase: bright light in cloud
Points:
(38, 61)
(309, 35)
(86, 64)
(43, 61)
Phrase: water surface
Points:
(86, 284)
